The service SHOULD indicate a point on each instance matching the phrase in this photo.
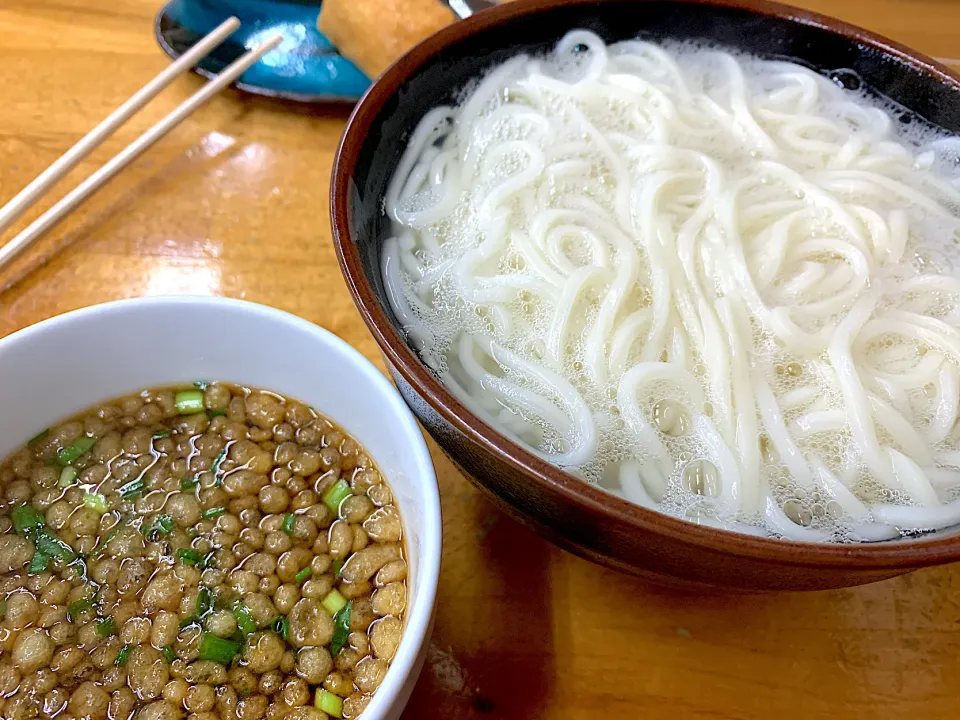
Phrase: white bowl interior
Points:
(64, 365)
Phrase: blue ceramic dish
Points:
(305, 67)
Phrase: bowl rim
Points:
(547, 478)
(419, 622)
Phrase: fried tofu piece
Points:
(374, 33)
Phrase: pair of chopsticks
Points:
(27, 197)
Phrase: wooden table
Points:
(235, 203)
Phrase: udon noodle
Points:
(717, 286)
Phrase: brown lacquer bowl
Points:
(565, 510)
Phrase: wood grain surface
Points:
(234, 203)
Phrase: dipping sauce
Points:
(212, 551)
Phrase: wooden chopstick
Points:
(66, 162)
(93, 183)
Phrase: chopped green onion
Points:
(75, 608)
(168, 653)
(80, 446)
(25, 519)
(216, 413)
(217, 649)
(189, 402)
(3, 607)
(288, 520)
(189, 483)
(68, 476)
(130, 490)
(281, 626)
(201, 384)
(245, 620)
(161, 527)
(329, 703)
(336, 495)
(106, 627)
(303, 574)
(49, 544)
(189, 557)
(341, 628)
(98, 551)
(161, 434)
(204, 601)
(80, 564)
(96, 502)
(212, 513)
(123, 655)
(188, 622)
(337, 568)
(334, 602)
(208, 560)
(215, 467)
(39, 563)
(39, 437)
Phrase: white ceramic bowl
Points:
(61, 366)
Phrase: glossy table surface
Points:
(234, 203)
